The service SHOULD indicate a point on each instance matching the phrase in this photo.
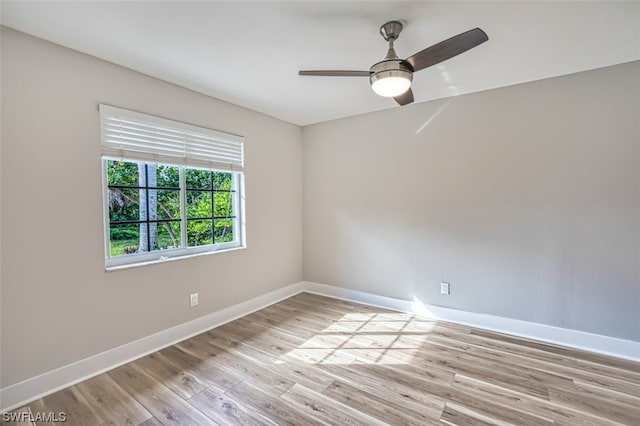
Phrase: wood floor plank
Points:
(309, 377)
(494, 411)
(457, 416)
(554, 356)
(171, 375)
(112, 403)
(278, 365)
(548, 410)
(158, 399)
(378, 406)
(207, 374)
(400, 395)
(497, 374)
(482, 352)
(605, 393)
(227, 411)
(329, 410)
(319, 313)
(338, 305)
(274, 408)
(312, 360)
(630, 375)
(276, 340)
(269, 341)
(70, 401)
(442, 390)
(241, 366)
(152, 422)
(292, 328)
(534, 378)
(623, 364)
(296, 326)
(607, 408)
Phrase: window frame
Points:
(184, 251)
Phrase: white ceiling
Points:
(248, 53)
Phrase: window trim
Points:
(134, 136)
(159, 256)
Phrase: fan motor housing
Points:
(389, 68)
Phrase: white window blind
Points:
(135, 136)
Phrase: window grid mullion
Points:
(213, 211)
(234, 207)
(105, 210)
(146, 192)
(183, 207)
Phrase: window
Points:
(170, 189)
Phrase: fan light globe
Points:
(391, 83)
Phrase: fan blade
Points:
(405, 98)
(447, 49)
(336, 73)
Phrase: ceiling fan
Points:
(392, 76)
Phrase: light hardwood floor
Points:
(313, 360)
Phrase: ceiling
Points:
(248, 53)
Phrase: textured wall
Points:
(526, 199)
(58, 303)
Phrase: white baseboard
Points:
(21, 393)
(606, 345)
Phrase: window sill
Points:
(169, 259)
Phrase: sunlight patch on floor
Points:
(365, 338)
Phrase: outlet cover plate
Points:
(193, 300)
(444, 288)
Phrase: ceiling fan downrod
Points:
(390, 31)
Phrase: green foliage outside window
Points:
(209, 206)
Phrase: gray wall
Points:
(58, 303)
(526, 199)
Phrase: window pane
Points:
(222, 180)
(199, 232)
(223, 230)
(124, 239)
(123, 205)
(198, 179)
(223, 203)
(168, 235)
(167, 176)
(198, 204)
(122, 173)
(156, 213)
(168, 204)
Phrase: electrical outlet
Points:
(444, 288)
(193, 300)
